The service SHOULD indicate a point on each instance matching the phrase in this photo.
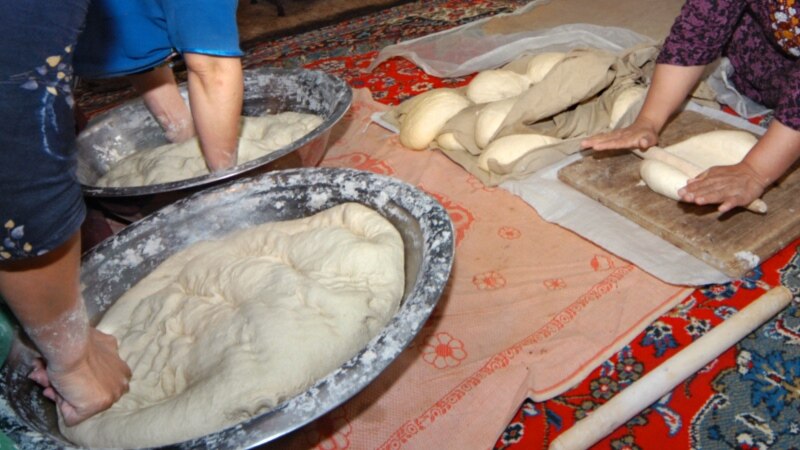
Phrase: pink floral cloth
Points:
(530, 310)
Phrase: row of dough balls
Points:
(422, 118)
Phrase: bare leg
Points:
(84, 373)
(160, 92)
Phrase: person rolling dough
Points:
(763, 47)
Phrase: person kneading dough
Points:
(259, 136)
(225, 330)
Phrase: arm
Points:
(84, 373)
(696, 39)
(215, 93)
(739, 184)
(669, 89)
(160, 93)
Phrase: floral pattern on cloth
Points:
(443, 350)
(786, 25)
(14, 244)
(41, 203)
(54, 76)
(747, 398)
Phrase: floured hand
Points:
(90, 384)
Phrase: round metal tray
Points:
(129, 128)
(118, 263)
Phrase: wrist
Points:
(760, 178)
(63, 342)
(647, 123)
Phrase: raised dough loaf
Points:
(227, 329)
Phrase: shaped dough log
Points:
(489, 119)
(426, 117)
(498, 84)
(663, 178)
(673, 172)
(703, 151)
(401, 111)
(714, 148)
(508, 149)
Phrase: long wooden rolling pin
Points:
(654, 385)
(691, 170)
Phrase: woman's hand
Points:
(639, 135)
(739, 184)
(90, 384)
(730, 186)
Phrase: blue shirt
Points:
(129, 36)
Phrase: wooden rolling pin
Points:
(691, 170)
(655, 384)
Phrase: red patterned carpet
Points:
(748, 398)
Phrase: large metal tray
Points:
(115, 265)
(129, 128)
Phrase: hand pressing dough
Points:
(225, 330)
(703, 151)
(259, 136)
(498, 84)
(423, 120)
(507, 149)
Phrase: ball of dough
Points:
(448, 141)
(507, 149)
(426, 117)
(627, 99)
(540, 65)
(498, 84)
(489, 119)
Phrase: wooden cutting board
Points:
(733, 242)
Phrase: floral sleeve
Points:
(700, 32)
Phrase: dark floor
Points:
(261, 19)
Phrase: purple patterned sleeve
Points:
(787, 110)
(700, 32)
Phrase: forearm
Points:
(44, 295)
(774, 153)
(669, 89)
(160, 93)
(215, 94)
